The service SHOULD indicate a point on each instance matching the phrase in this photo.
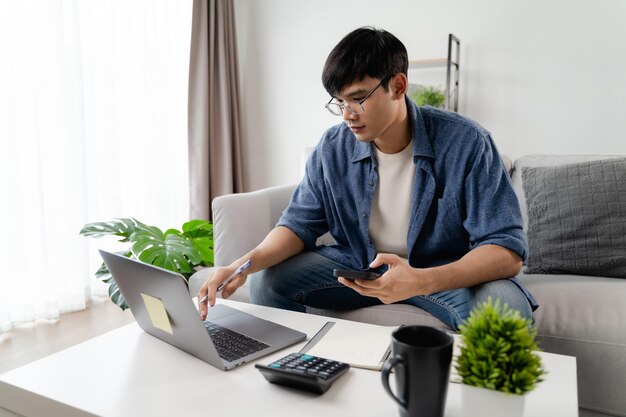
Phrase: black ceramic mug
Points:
(421, 358)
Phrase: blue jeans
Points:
(307, 280)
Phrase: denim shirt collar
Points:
(421, 143)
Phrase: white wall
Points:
(543, 76)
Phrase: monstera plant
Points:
(174, 250)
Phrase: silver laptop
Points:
(163, 308)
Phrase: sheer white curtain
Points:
(93, 125)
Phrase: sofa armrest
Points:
(241, 221)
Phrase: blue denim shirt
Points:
(461, 198)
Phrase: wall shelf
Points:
(428, 63)
(452, 64)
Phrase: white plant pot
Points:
(482, 402)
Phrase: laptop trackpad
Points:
(220, 311)
(252, 326)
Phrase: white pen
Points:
(230, 278)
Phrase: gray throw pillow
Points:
(577, 218)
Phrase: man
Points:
(417, 194)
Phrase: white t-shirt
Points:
(391, 207)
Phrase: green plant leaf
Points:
(200, 232)
(430, 96)
(497, 351)
(197, 228)
(123, 228)
(116, 296)
(172, 251)
(103, 274)
(204, 246)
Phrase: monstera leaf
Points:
(167, 250)
(200, 232)
(116, 296)
(105, 276)
(172, 250)
(119, 227)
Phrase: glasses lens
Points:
(354, 107)
(334, 109)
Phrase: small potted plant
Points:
(497, 361)
(428, 96)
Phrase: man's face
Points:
(380, 110)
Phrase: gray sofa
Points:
(581, 316)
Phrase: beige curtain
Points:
(215, 166)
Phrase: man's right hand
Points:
(209, 288)
(280, 244)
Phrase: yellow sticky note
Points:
(157, 313)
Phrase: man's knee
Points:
(257, 288)
(507, 292)
(287, 284)
(263, 289)
(272, 287)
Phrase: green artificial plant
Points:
(497, 350)
(173, 250)
(429, 96)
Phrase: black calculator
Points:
(302, 371)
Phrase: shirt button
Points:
(365, 215)
(371, 183)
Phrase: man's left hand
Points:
(401, 281)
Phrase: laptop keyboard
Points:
(232, 345)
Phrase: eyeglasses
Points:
(353, 106)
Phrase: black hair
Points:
(364, 52)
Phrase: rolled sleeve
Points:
(493, 212)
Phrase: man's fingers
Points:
(229, 289)
(376, 262)
(202, 304)
(348, 283)
(384, 259)
(232, 286)
(212, 292)
(206, 297)
(368, 283)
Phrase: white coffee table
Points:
(126, 372)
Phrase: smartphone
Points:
(352, 275)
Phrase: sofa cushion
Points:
(542, 161)
(579, 307)
(577, 218)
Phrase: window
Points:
(93, 126)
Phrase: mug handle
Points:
(389, 365)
